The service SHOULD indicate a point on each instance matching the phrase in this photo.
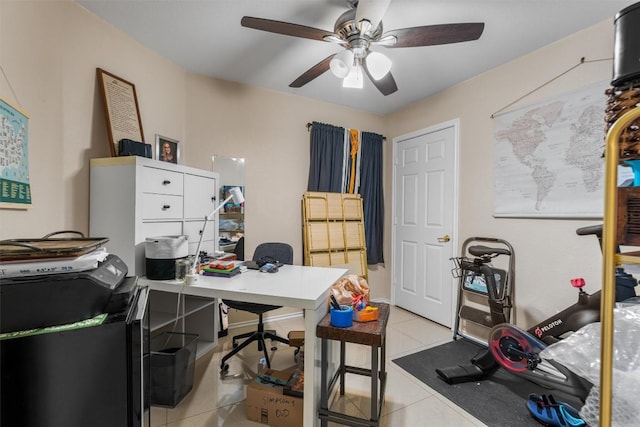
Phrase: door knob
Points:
(444, 239)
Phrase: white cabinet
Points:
(133, 198)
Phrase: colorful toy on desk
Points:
(220, 269)
(367, 314)
(359, 302)
(229, 265)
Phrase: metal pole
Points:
(609, 243)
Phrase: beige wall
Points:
(269, 130)
(548, 252)
(49, 52)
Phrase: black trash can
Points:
(173, 358)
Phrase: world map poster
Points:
(15, 189)
(548, 157)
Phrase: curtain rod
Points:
(384, 138)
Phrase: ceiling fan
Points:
(358, 30)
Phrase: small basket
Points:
(342, 318)
(173, 357)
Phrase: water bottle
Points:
(299, 358)
(262, 365)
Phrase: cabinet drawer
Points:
(161, 206)
(199, 195)
(161, 181)
(155, 229)
(208, 246)
(192, 230)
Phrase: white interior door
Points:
(425, 219)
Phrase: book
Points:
(295, 385)
(224, 266)
(41, 266)
(217, 270)
(216, 274)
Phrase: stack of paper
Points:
(40, 266)
(221, 269)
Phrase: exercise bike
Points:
(518, 351)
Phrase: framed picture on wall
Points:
(120, 108)
(14, 157)
(167, 149)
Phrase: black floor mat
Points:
(499, 400)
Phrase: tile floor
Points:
(216, 401)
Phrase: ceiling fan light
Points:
(341, 64)
(354, 79)
(378, 65)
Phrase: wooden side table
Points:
(372, 334)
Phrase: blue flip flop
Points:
(547, 411)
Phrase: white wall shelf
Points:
(132, 198)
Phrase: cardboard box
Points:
(267, 404)
(296, 338)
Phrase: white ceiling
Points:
(205, 37)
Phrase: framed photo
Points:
(120, 108)
(167, 149)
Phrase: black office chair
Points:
(281, 252)
(239, 249)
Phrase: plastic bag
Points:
(580, 352)
(350, 287)
(223, 312)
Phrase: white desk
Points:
(296, 286)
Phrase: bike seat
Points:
(481, 250)
(592, 229)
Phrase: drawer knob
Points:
(166, 182)
(165, 207)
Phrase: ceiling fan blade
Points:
(313, 72)
(386, 85)
(430, 35)
(372, 10)
(285, 28)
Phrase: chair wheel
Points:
(235, 344)
(224, 367)
(274, 348)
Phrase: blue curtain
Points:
(326, 159)
(329, 159)
(372, 194)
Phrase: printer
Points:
(38, 301)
